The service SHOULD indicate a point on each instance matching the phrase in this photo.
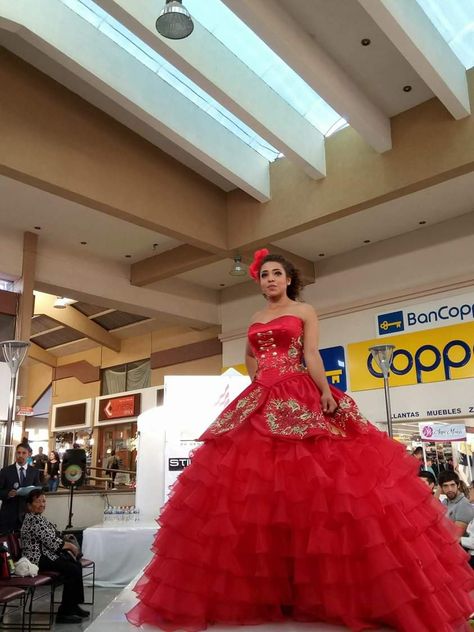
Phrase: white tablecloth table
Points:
(119, 551)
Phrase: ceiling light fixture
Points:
(407, 88)
(422, 222)
(238, 269)
(366, 241)
(62, 302)
(174, 21)
(365, 41)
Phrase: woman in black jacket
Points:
(42, 545)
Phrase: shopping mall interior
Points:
(139, 172)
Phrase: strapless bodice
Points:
(278, 347)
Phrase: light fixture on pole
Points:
(382, 354)
(14, 352)
(174, 21)
(238, 269)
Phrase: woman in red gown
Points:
(295, 507)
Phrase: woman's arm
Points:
(44, 532)
(250, 361)
(313, 360)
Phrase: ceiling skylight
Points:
(454, 19)
(114, 30)
(219, 20)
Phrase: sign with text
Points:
(121, 407)
(436, 355)
(442, 432)
(445, 312)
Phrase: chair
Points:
(30, 586)
(7, 596)
(88, 570)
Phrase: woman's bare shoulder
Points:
(306, 311)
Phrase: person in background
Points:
(418, 454)
(42, 545)
(112, 466)
(12, 477)
(467, 541)
(39, 462)
(52, 471)
(429, 479)
(460, 510)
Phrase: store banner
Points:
(441, 313)
(435, 355)
(442, 432)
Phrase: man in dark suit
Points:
(12, 477)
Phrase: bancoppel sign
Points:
(438, 355)
(442, 432)
(451, 311)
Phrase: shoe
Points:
(68, 618)
(80, 612)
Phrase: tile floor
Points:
(103, 597)
(112, 619)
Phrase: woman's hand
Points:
(69, 546)
(328, 403)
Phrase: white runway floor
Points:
(112, 619)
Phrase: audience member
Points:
(460, 510)
(39, 462)
(429, 479)
(12, 478)
(52, 471)
(44, 546)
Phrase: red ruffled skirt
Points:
(259, 529)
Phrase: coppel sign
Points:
(456, 309)
(437, 355)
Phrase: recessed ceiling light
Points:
(422, 222)
(37, 227)
(366, 241)
(155, 246)
(127, 256)
(221, 284)
(365, 41)
(83, 243)
(321, 254)
(407, 88)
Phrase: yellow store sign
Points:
(433, 355)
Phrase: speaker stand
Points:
(71, 497)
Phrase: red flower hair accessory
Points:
(258, 257)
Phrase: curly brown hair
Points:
(294, 288)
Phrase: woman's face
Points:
(52, 456)
(38, 505)
(273, 279)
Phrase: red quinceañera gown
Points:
(288, 513)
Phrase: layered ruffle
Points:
(258, 530)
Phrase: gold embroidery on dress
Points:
(348, 411)
(230, 419)
(290, 417)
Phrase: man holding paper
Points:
(16, 481)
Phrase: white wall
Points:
(88, 507)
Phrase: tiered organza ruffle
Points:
(260, 530)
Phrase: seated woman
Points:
(43, 546)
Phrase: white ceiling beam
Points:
(269, 20)
(57, 31)
(412, 32)
(212, 66)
